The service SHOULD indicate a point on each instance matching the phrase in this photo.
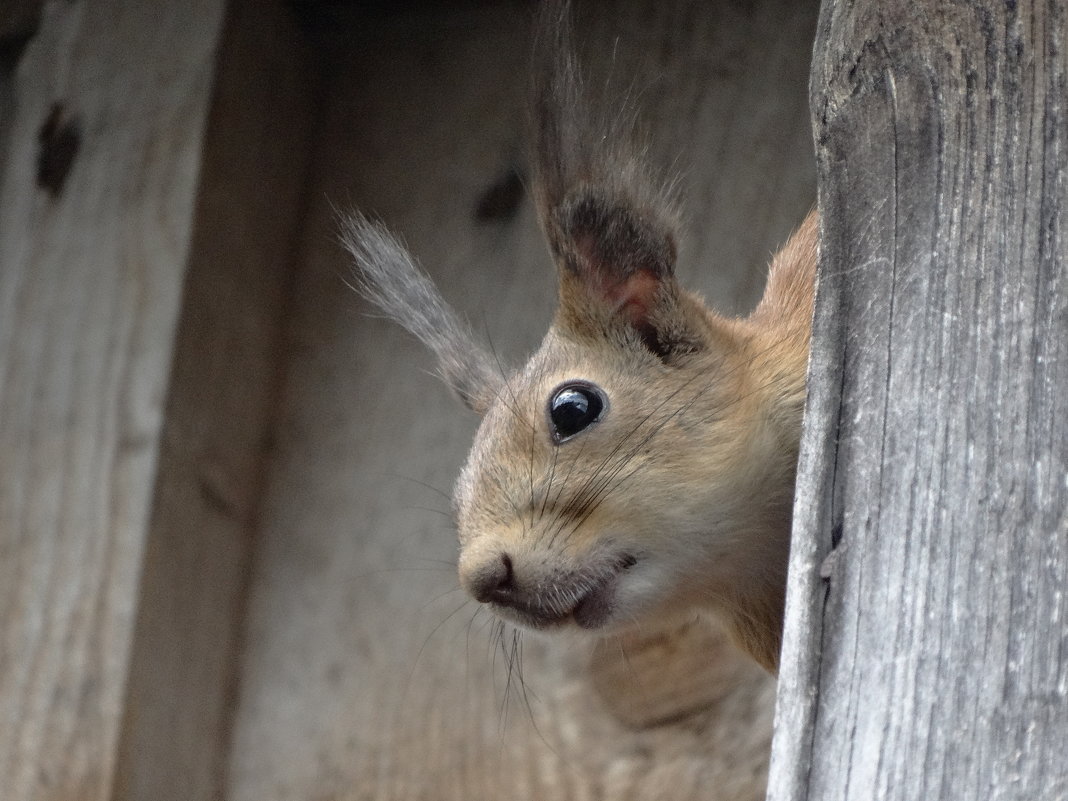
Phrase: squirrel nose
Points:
(494, 581)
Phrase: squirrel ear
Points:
(387, 275)
(610, 224)
(617, 266)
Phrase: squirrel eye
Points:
(573, 407)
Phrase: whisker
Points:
(430, 487)
(602, 482)
(440, 512)
(506, 380)
(419, 654)
(438, 597)
(447, 562)
(383, 570)
(527, 695)
(530, 471)
(549, 483)
(609, 489)
(502, 649)
(590, 488)
(567, 479)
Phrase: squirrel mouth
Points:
(585, 599)
(594, 609)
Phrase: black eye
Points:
(573, 407)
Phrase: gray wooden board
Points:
(91, 272)
(367, 674)
(927, 657)
(220, 406)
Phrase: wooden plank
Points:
(926, 655)
(18, 20)
(367, 674)
(89, 293)
(224, 383)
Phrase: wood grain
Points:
(220, 408)
(367, 674)
(18, 20)
(926, 655)
(90, 288)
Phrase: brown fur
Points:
(695, 461)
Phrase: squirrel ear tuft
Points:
(387, 275)
(610, 224)
(623, 260)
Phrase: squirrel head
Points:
(641, 464)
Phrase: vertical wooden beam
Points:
(926, 647)
(96, 208)
(18, 19)
(183, 669)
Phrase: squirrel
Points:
(641, 465)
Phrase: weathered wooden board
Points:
(18, 20)
(367, 675)
(926, 655)
(96, 206)
(227, 365)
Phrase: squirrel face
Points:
(668, 488)
(600, 524)
(642, 463)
